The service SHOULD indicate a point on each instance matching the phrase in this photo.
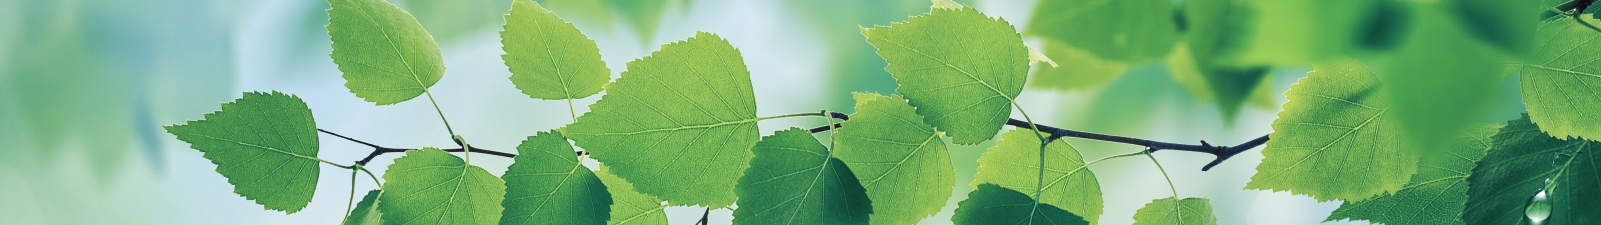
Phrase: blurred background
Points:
(86, 84)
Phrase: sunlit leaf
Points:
(960, 68)
(1562, 83)
(1014, 164)
(900, 160)
(678, 124)
(548, 185)
(431, 186)
(1190, 211)
(265, 144)
(549, 59)
(1435, 195)
(385, 55)
(629, 207)
(1336, 138)
(793, 179)
(366, 211)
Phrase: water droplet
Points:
(1539, 206)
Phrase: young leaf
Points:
(548, 185)
(794, 180)
(1562, 82)
(430, 186)
(265, 144)
(1335, 139)
(960, 68)
(1069, 184)
(549, 59)
(630, 207)
(1127, 30)
(385, 55)
(678, 124)
(1190, 211)
(1436, 193)
(1527, 168)
(366, 212)
(900, 160)
(993, 204)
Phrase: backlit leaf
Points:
(901, 161)
(629, 207)
(1562, 83)
(1190, 211)
(366, 211)
(431, 186)
(265, 144)
(549, 59)
(1336, 138)
(1436, 193)
(1014, 164)
(548, 185)
(793, 179)
(385, 55)
(960, 68)
(678, 124)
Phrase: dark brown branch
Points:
(1222, 152)
(380, 150)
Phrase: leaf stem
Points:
(1177, 212)
(789, 115)
(352, 200)
(1222, 152)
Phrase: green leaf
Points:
(385, 55)
(1190, 211)
(1440, 80)
(1230, 86)
(265, 144)
(1335, 139)
(678, 124)
(993, 204)
(1278, 32)
(1436, 193)
(1214, 27)
(430, 186)
(1562, 82)
(1491, 21)
(549, 59)
(793, 179)
(1129, 30)
(630, 207)
(365, 212)
(900, 160)
(960, 68)
(1524, 162)
(1082, 70)
(548, 185)
(1013, 164)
